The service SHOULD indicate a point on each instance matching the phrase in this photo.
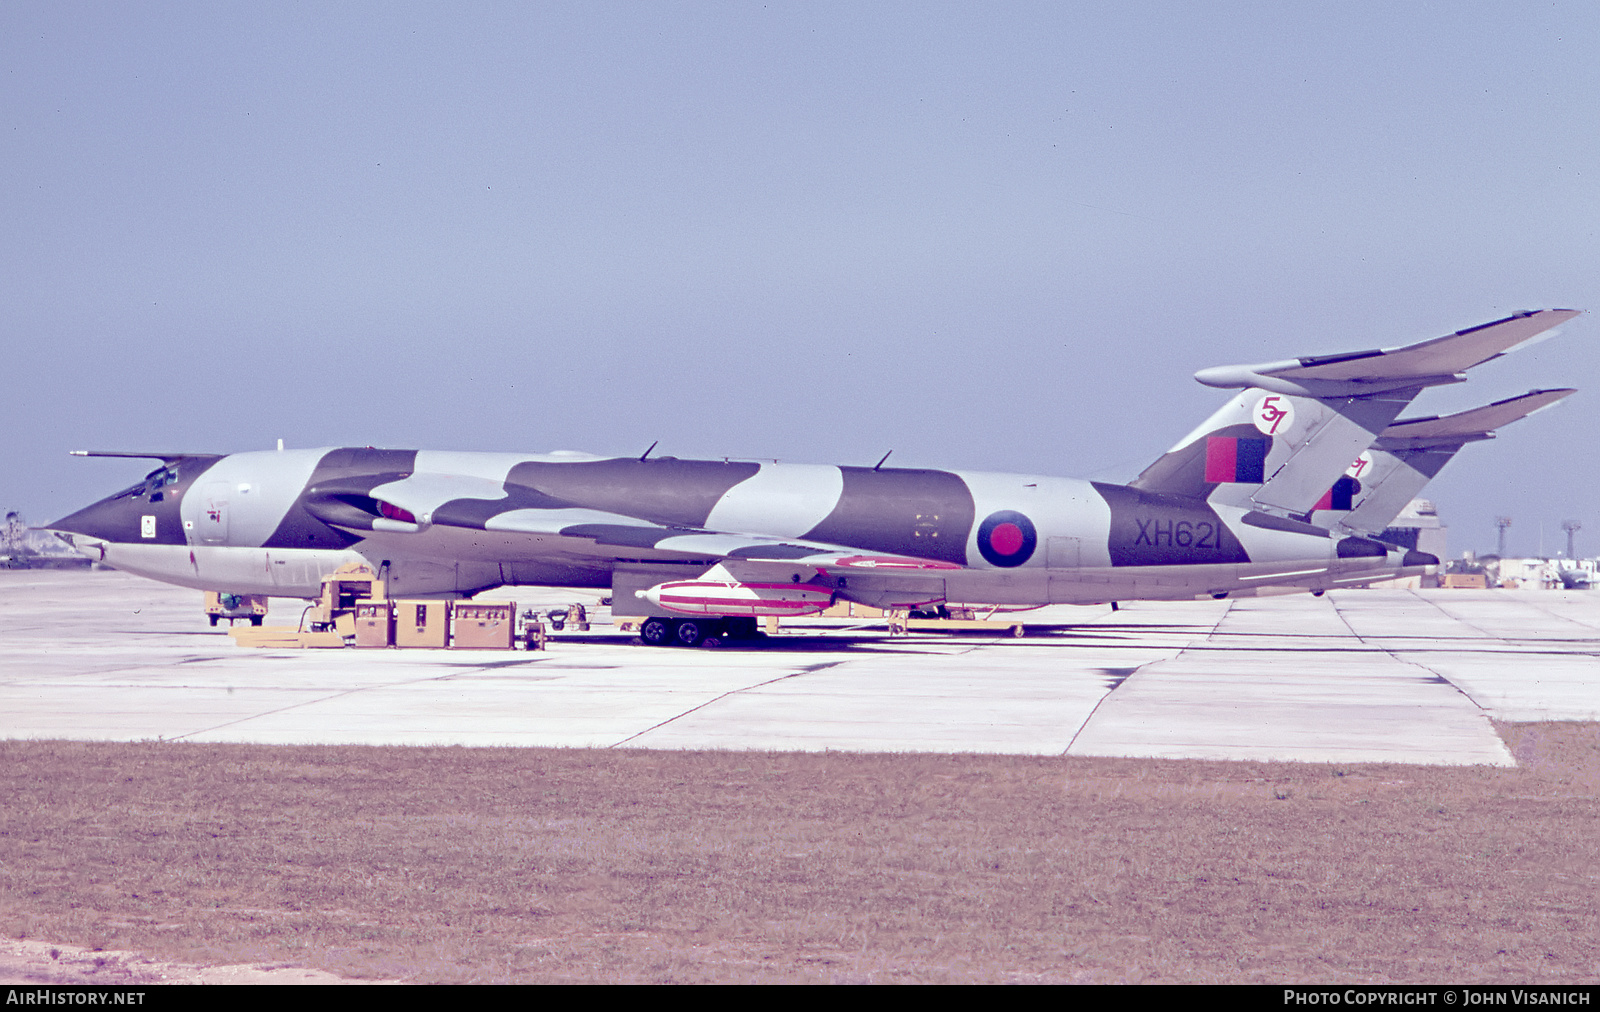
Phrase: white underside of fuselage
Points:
(279, 572)
(290, 572)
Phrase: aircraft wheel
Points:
(213, 618)
(690, 633)
(656, 632)
(256, 619)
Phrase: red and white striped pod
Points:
(704, 597)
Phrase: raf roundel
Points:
(1007, 538)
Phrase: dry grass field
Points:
(457, 864)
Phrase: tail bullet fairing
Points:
(1259, 498)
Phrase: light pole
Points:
(1571, 527)
(1502, 523)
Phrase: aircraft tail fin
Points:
(1271, 451)
(1410, 453)
(1282, 442)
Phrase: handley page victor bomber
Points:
(1283, 488)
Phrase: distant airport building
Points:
(1418, 527)
(1548, 574)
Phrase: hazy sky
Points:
(996, 236)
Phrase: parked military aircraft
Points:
(1259, 498)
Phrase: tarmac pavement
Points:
(1354, 676)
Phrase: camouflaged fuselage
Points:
(446, 523)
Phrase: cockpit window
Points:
(152, 484)
(160, 478)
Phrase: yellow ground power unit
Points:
(483, 625)
(421, 623)
(375, 624)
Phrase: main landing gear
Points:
(696, 632)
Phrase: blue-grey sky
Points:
(996, 236)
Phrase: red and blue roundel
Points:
(1007, 538)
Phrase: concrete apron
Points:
(1356, 676)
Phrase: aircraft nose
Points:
(117, 519)
(97, 521)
